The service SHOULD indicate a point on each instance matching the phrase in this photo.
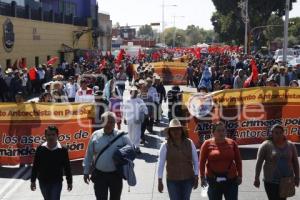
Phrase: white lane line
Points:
(17, 185)
(12, 180)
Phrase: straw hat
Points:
(174, 123)
(133, 88)
(8, 71)
(141, 82)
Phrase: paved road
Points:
(15, 184)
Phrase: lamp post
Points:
(266, 26)
(244, 6)
(286, 28)
(163, 19)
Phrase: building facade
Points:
(33, 35)
(105, 28)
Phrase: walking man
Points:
(135, 111)
(50, 161)
(105, 175)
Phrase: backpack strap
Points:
(108, 145)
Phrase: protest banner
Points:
(171, 73)
(22, 128)
(247, 113)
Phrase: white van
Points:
(290, 52)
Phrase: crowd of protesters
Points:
(102, 80)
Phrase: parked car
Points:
(280, 59)
(290, 52)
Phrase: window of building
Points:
(8, 63)
(19, 2)
(37, 61)
(68, 8)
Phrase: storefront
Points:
(34, 42)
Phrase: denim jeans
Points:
(51, 191)
(216, 190)
(272, 191)
(180, 190)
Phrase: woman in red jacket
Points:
(220, 165)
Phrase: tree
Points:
(227, 20)
(117, 25)
(294, 28)
(180, 37)
(146, 31)
(276, 31)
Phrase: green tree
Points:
(180, 37)
(146, 31)
(228, 23)
(294, 28)
(275, 31)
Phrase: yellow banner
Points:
(247, 113)
(44, 111)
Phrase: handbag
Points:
(287, 187)
(94, 170)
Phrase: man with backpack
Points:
(103, 145)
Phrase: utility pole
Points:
(246, 27)
(286, 33)
(245, 17)
(163, 20)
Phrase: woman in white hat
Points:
(180, 156)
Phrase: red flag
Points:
(198, 53)
(254, 74)
(120, 56)
(52, 61)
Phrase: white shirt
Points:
(282, 80)
(163, 158)
(83, 96)
(58, 146)
(132, 109)
(152, 92)
(71, 90)
(41, 74)
(97, 142)
(24, 80)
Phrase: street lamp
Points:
(175, 30)
(266, 26)
(286, 28)
(244, 6)
(163, 19)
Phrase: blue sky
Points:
(139, 12)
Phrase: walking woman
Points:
(280, 160)
(220, 165)
(180, 156)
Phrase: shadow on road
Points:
(152, 142)
(15, 173)
(148, 158)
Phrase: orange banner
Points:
(22, 129)
(171, 73)
(248, 113)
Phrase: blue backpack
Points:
(123, 159)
